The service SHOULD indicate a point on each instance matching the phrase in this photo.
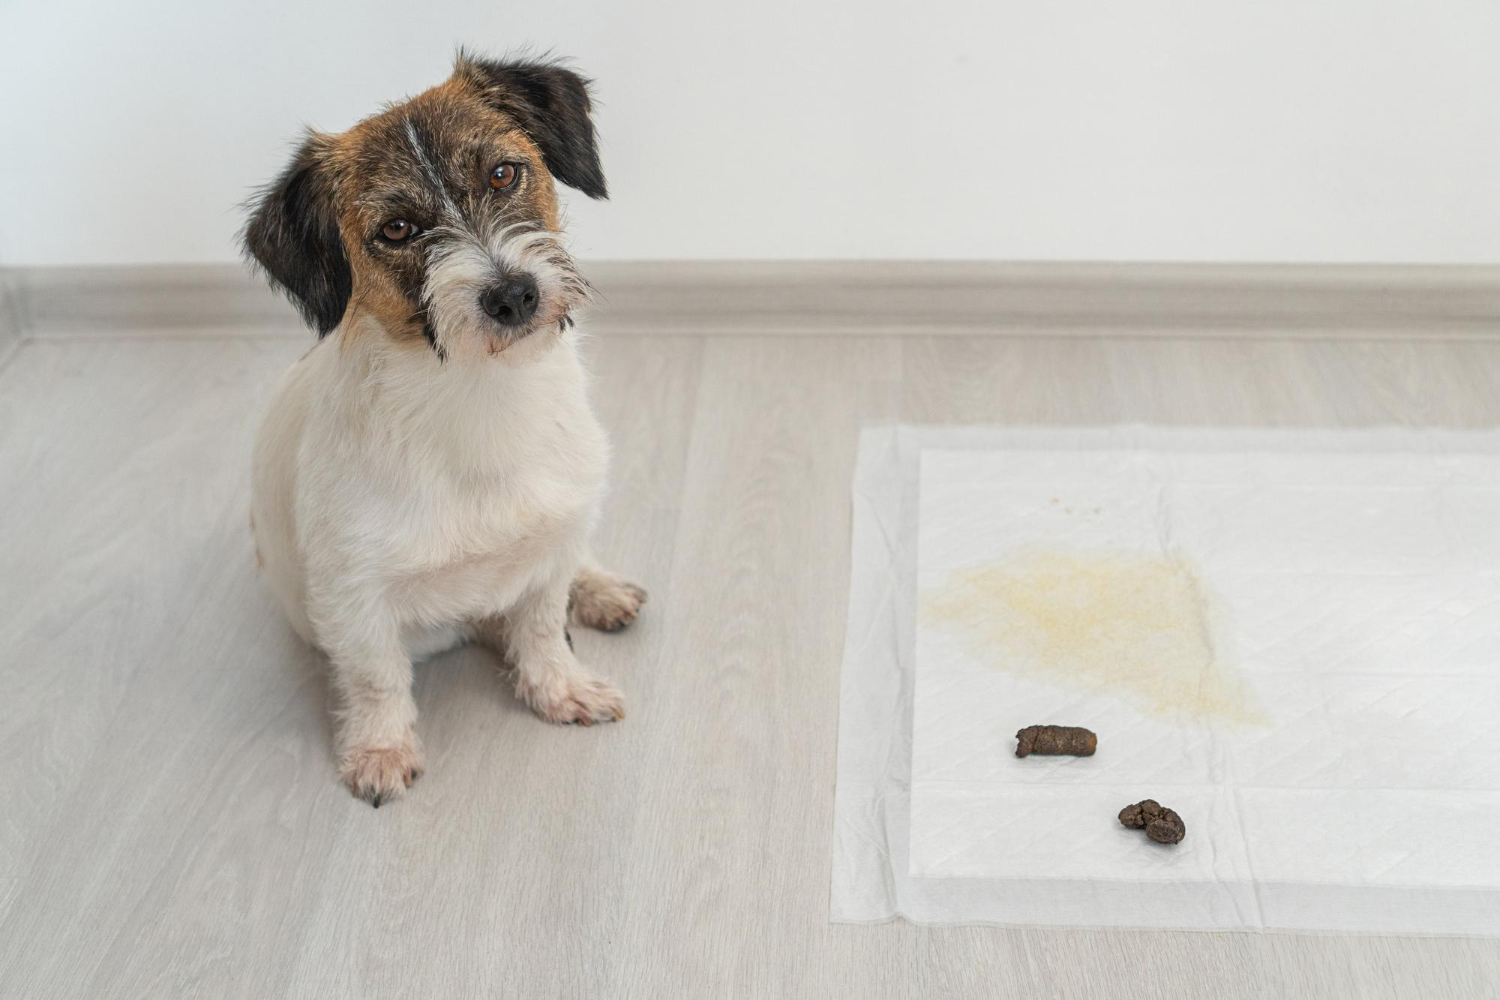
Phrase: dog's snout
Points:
(512, 301)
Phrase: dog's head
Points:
(438, 216)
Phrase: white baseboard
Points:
(851, 297)
(10, 314)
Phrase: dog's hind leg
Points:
(600, 599)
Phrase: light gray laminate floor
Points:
(170, 823)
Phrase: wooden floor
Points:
(170, 823)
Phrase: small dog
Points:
(431, 470)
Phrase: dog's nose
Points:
(511, 302)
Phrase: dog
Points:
(430, 471)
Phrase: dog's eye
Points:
(397, 230)
(504, 177)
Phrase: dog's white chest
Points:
(521, 516)
(448, 491)
(493, 544)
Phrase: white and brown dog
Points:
(430, 471)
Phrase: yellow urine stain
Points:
(1100, 622)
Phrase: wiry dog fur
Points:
(430, 471)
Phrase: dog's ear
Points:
(552, 105)
(293, 234)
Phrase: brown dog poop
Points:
(1160, 823)
(1056, 740)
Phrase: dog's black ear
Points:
(293, 234)
(552, 104)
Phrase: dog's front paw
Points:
(605, 602)
(574, 698)
(381, 774)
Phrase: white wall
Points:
(1344, 130)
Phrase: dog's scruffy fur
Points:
(430, 471)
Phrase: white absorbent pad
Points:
(1290, 638)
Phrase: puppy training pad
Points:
(1292, 639)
